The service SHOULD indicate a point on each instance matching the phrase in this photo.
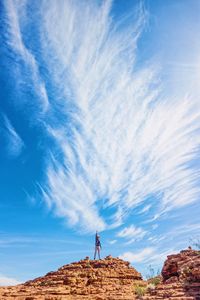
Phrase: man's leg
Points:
(99, 252)
(95, 252)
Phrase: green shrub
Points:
(155, 281)
(140, 290)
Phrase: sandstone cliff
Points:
(110, 278)
(180, 278)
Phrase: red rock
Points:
(109, 278)
(112, 279)
(180, 278)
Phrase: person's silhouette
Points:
(97, 246)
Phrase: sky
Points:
(99, 130)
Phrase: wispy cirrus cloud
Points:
(121, 137)
(140, 256)
(132, 233)
(145, 209)
(13, 142)
(149, 255)
(119, 140)
(190, 230)
(15, 17)
(112, 242)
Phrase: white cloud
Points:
(16, 13)
(112, 242)
(5, 281)
(132, 233)
(189, 230)
(14, 142)
(119, 139)
(145, 209)
(156, 239)
(149, 255)
(128, 144)
(140, 256)
(76, 203)
(158, 257)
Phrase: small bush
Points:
(140, 290)
(155, 281)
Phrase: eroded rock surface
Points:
(180, 278)
(110, 278)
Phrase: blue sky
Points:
(99, 130)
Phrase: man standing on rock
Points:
(97, 246)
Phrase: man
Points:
(97, 246)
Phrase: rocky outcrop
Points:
(113, 279)
(180, 278)
(110, 278)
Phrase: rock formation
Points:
(110, 278)
(180, 278)
(113, 279)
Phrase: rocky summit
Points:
(114, 279)
(180, 278)
(109, 278)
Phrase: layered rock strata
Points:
(110, 278)
(113, 279)
(180, 278)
